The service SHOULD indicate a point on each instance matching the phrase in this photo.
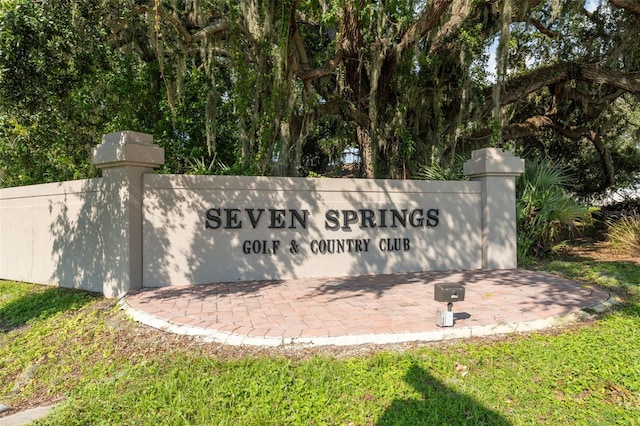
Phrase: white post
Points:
(497, 171)
(123, 157)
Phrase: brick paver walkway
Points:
(364, 309)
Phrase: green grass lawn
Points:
(70, 346)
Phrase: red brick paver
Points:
(393, 304)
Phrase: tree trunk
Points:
(366, 152)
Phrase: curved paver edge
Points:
(446, 333)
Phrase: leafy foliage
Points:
(546, 212)
(282, 87)
(47, 51)
(438, 171)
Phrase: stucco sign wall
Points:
(210, 229)
(132, 228)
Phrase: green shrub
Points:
(624, 234)
(437, 170)
(200, 166)
(547, 213)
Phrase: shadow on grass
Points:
(40, 305)
(437, 405)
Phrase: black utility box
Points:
(449, 292)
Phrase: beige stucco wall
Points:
(50, 234)
(180, 249)
(132, 228)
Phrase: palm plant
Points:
(546, 210)
(199, 166)
(439, 171)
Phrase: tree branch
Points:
(428, 19)
(519, 87)
(210, 30)
(629, 82)
(544, 30)
(311, 74)
(591, 106)
(532, 127)
(214, 28)
(342, 107)
(461, 11)
(123, 22)
(577, 132)
(303, 70)
(629, 5)
(165, 16)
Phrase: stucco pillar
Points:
(497, 171)
(124, 158)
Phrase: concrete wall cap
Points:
(127, 149)
(127, 137)
(493, 162)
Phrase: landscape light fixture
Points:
(448, 293)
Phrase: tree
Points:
(41, 135)
(578, 87)
(64, 82)
(260, 84)
(404, 74)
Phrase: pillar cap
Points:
(127, 148)
(492, 162)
